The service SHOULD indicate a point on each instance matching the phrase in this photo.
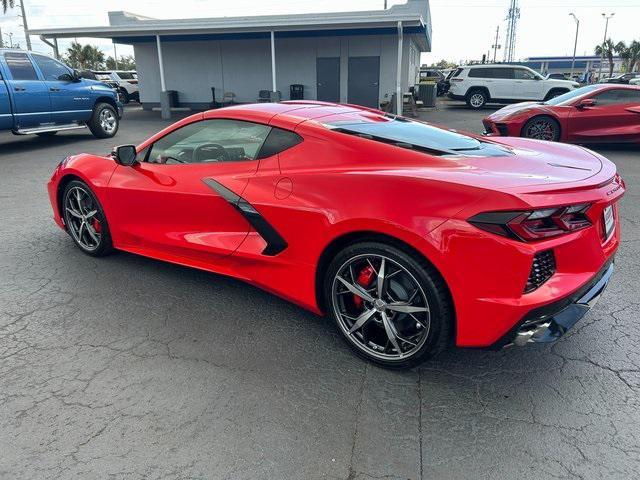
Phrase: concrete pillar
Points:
(165, 105)
(399, 98)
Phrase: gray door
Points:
(328, 78)
(364, 80)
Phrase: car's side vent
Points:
(543, 268)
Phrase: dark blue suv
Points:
(41, 95)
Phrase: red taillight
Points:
(534, 225)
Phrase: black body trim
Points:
(563, 313)
(275, 243)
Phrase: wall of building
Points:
(244, 66)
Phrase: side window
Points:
(522, 74)
(629, 96)
(479, 73)
(20, 66)
(611, 97)
(51, 69)
(208, 141)
(278, 141)
(504, 73)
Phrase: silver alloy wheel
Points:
(388, 319)
(477, 100)
(541, 129)
(80, 217)
(108, 120)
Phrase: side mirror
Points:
(586, 103)
(76, 76)
(125, 155)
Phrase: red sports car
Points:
(411, 237)
(605, 113)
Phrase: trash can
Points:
(296, 92)
(172, 95)
(427, 93)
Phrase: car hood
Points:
(531, 166)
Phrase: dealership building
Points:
(350, 57)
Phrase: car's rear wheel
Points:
(85, 219)
(542, 127)
(477, 98)
(104, 122)
(390, 306)
(124, 96)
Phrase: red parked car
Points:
(605, 113)
(410, 236)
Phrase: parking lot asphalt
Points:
(125, 367)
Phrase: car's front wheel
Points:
(85, 219)
(390, 306)
(104, 122)
(542, 127)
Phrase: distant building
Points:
(351, 57)
(546, 65)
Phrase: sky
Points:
(462, 29)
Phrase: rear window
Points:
(125, 75)
(411, 134)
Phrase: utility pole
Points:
(575, 45)
(495, 46)
(24, 25)
(385, 4)
(606, 27)
(512, 26)
(10, 35)
(115, 55)
(1, 41)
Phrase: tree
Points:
(126, 62)
(634, 55)
(607, 49)
(6, 5)
(84, 57)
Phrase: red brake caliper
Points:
(365, 279)
(96, 225)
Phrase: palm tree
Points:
(84, 57)
(624, 53)
(634, 55)
(6, 4)
(607, 49)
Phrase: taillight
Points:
(536, 224)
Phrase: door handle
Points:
(54, 89)
(19, 89)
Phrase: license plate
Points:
(609, 222)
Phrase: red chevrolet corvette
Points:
(606, 113)
(411, 237)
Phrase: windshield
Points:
(125, 75)
(572, 95)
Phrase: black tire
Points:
(542, 127)
(90, 202)
(433, 290)
(46, 134)
(96, 124)
(476, 98)
(124, 96)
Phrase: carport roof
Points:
(126, 27)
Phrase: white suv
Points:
(127, 83)
(481, 84)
